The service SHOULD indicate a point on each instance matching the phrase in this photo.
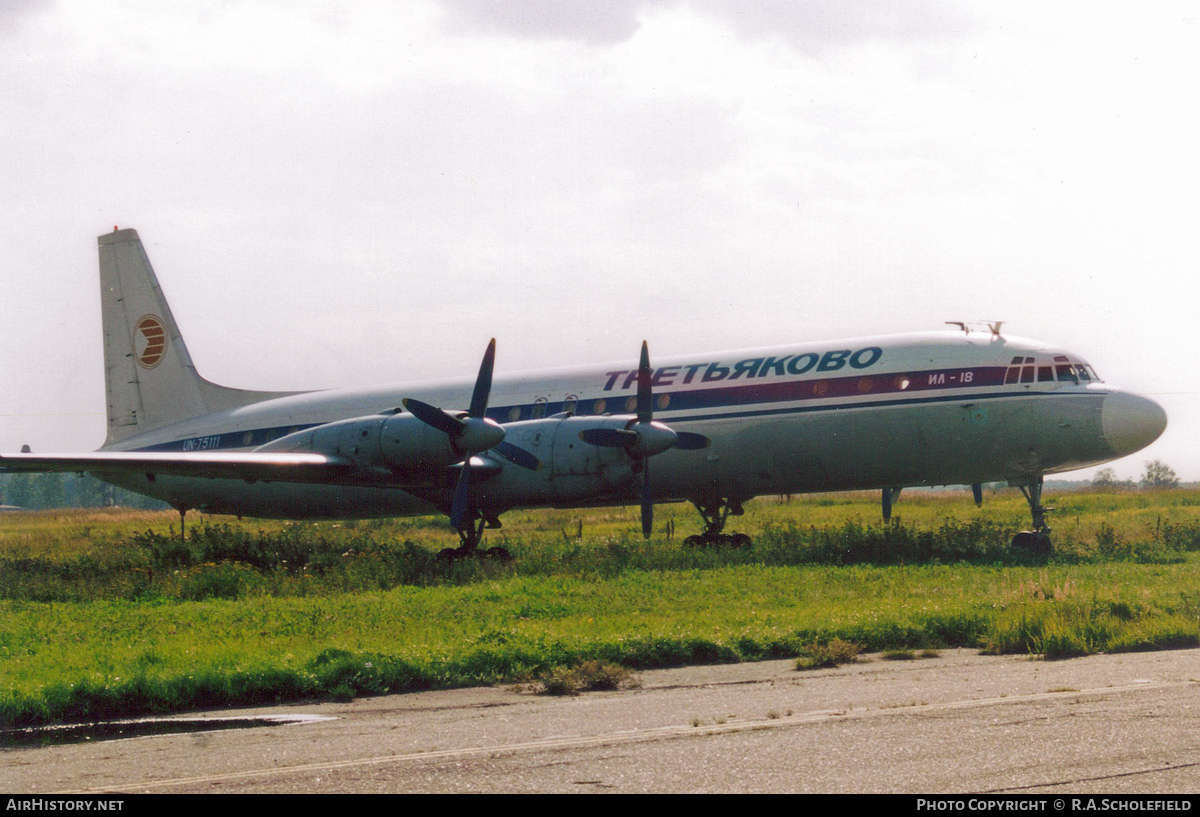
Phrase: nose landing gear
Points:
(1036, 541)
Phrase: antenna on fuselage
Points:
(993, 326)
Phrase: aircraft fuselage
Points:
(933, 409)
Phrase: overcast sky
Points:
(337, 194)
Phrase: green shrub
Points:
(827, 655)
(590, 676)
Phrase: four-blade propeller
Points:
(642, 438)
(470, 434)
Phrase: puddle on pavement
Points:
(39, 736)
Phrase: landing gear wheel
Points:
(717, 540)
(497, 553)
(1034, 543)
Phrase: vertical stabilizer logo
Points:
(149, 341)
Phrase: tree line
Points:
(38, 492)
(1157, 474)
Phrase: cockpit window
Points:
(1022, 370)
(1074, 372)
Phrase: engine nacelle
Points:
(571, 471)
(397, 442)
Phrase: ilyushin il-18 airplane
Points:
(955, 407)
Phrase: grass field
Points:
(106, 613)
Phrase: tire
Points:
(1033, 543)
(1024, 541)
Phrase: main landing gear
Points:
(1036, 541)
(714, 515)
(470, 536)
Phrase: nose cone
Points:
(1131, 422)
(478, 435)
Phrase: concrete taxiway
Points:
(961, 722)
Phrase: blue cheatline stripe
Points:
(751, 392)
(257, 437)
(230, 439)
(952, 398)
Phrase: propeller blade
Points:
(647, 502)
(458, 508)
(690, 441)
(433, 416)
(609, 437)
(517, 456)
(468, 436)
(645, 399)
(447, 423)
(483, 383)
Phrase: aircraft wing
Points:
(248, 466)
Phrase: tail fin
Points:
(149, 375)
